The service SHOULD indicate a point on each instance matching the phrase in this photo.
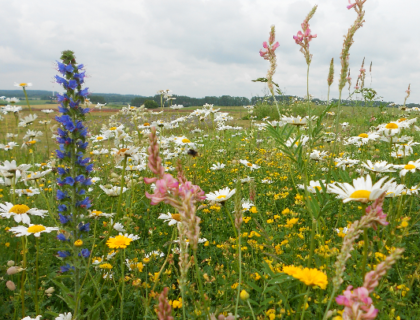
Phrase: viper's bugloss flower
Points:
(85, 253)
(66, 268)
(63, 254)
(84, 227)
(63, 219)
(73, 168)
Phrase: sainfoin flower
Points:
(303, 38)
(358, 304)
(268, 53)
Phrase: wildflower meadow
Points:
(298, 210)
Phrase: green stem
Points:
(37, 276)
(231, 220)
(252, 311)
(27, 101)
(312, 242)
(123, 285)
(240, 272)
(329, 304)
(117, 216)
(23, 277)
(304, 303)
(365, 251)
(200, 285)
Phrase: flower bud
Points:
(244, 295)
(221, 317)
(10, 263)
(12, 270)
(50, 290)
(11, 285)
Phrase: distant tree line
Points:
(137, 100)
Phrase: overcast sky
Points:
(206, 47)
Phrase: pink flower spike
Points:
(265, 45)
(351, 5)
(275, 46)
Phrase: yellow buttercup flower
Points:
(78, 243)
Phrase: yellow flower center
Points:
(36, 228)
(318, 187)
(146, 124)
(409, 167)
(221, 197)
(402, 119)
(176, 216)
(97, 213)
(113, 128)
(363, 135)
(28, 191)
(185, 140)
(105, 266)
(122, 150)
(23, 84)
(391, 126)
(19, 209)
(99, 138)
(360, 194)
(249, 164)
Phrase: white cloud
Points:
(206, 47)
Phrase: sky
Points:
(207, 47)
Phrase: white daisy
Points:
(35, 229)
(317, 155)
(114, 191)
(20, 212)
(47, 111)
(10, 168)
(296, 121)
(97, 214)
(29, 318)
(267, 181)
(247, 204)
(378, 167)
(250, 165)
(28, 192)
(27, 120)
(362, 190)
(171, 218)
(64, 316)
(23, 84)
(412, 190)
(313, 186)
(411, 166)
(217, 166)
(393, 189)
(119, 227)
(155, 254)
(220, 195)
